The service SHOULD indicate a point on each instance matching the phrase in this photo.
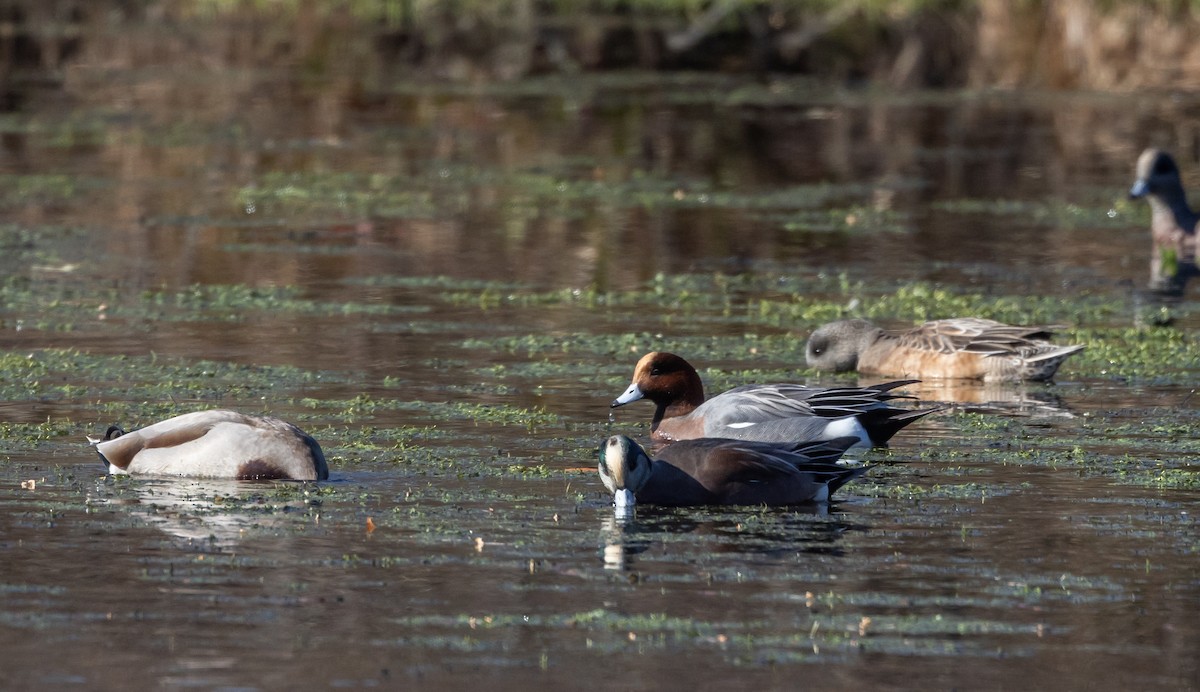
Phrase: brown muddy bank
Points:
(1074, 44)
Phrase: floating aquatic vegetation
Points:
(69, 375)
(859, 219)
(1116, 213)
(44, 188)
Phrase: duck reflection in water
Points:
(210, 514)
(1020, 399)
(656, 534)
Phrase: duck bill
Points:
(1139, 189)
(632, 394)
(624, 501)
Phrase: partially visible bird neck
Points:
(693, 395)
(675, 409)
(681, 397)
(871, 344)
(1172, 205)
(870, 337)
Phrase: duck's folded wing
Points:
(733, 464)
(173, 432)
(819, 451)
(756, 403)
(780, 476)
(974, 335)
(189, 427)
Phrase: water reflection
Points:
(585, 182)
(154, 164)
(210, 515)
(619, 538)
(759, 531)
(1007, 398)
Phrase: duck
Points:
(963, 347)
(714, 471)
(214, 444)
(779, 413)
(1172, 222)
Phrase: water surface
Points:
(447, 284)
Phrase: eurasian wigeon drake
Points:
(966, 347)
(1172, 222)
(214, 444)
(778, 413)
(713, 471)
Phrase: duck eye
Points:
(1163, 166)
(655, 371)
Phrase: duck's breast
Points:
(687, 427)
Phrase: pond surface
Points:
(447, 285)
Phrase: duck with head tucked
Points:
(1172, 222)
(713, 471)
(214, 444)
(966, 347)
(779, 413)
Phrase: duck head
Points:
(1156, 174)
(666, 379)
(836, 346)
(624, 469)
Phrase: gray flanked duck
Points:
(780, 413)
(712, 471)
(214, 444)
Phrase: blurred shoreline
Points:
(1068, 44)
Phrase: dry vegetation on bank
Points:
(1065, 44)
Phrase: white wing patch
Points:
(738, 426)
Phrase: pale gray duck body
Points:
(214, 444)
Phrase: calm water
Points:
(390, 262)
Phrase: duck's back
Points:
(218, 444)
(967, 348)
